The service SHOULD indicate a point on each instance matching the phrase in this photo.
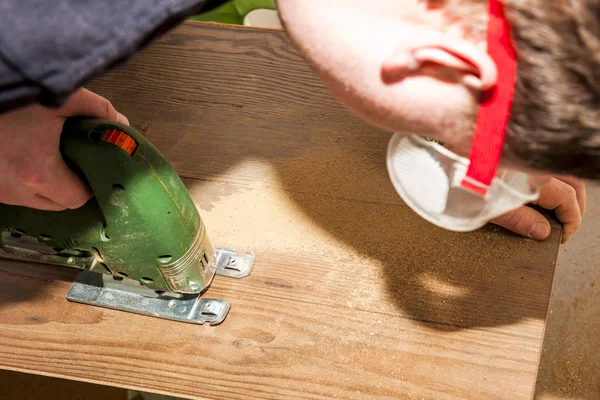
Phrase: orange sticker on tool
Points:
(121, 139)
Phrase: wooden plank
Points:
(352, 295)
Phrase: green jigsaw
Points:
(140, 240)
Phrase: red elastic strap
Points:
(494, 109)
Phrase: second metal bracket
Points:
(232, 265)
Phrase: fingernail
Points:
(539, 231)
(122, 119)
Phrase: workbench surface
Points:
(352, 294)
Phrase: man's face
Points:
(400, 65)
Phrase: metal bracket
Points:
(127, 295)
(232, 265)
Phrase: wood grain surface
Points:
(352, 296)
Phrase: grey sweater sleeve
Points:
(48, 49)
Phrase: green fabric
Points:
(234, 11)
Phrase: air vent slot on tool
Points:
(164, 259)
(147, 281)
(17, 233)
(44, 238)
(103, 234)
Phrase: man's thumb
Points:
(85, 103)
(64, 187)
(525, 221)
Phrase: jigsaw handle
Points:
(141, 223)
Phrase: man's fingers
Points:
(122, 119)
(579, 186)
(64, 187)
(33, 201)
(60, 185)
(563, 199)
(525, 221)
(88, 104)
(72, 192)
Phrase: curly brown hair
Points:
(555, 118)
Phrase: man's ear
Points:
(478, 68)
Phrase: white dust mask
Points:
(451, 191)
